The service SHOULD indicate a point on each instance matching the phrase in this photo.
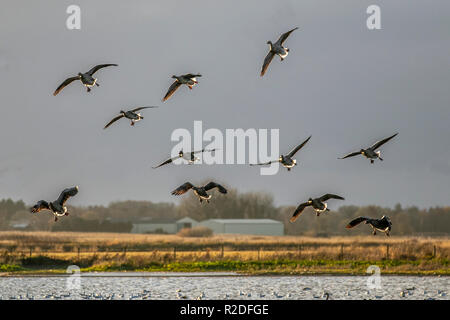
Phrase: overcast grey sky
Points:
(345, 85)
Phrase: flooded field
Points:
(126, 286)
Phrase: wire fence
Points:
(337, 251)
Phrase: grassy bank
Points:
(44, 252)
(264, 267)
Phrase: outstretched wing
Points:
(172, 89)
(328, 196)
(351, 155)
(40, 205)
(293, 151)
(267, 61)
(285, 35)
(385, 218)
(355, 222)
(65, 83)
(299, 211)
(381, 142)
(182, 189)
(191, 75)
(96, 68)
(66, 194)
(263, 164)
(140, 108)
(204, 150)
(165, 162)
(212, 185)
(113, 120)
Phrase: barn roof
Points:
(245, 221)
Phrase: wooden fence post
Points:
(174, 253)
(31, 251)
(259, 253)
(434, 251)
(79, 253)
(222, 252)
(387, 251)
(342, 251)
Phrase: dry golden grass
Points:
(83, 237)
(65, 245)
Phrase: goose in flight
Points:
(286, 160)
(384, 224)
(276, 49)
(130, 114)
(57, 207)
(188, 79)
(319, 205)
(191, 158)
(86, 78)
(200, 192)
(371, 153)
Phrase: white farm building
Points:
(267, 227)
(162, 225)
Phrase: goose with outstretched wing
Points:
(190, 80)
(86, 78)
(383, 224)
(318, 204)
(286, 160)
(371, 153)
(132, 115)
(57, 207)
(276, 48)
(188, 156)
(200, 192)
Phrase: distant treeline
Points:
(117, 216)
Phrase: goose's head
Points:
(180, 154)
(174, 77)
(80, 74)
(310, 200)
(122, 112)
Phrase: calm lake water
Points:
(221, 286)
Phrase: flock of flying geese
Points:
(319, 205)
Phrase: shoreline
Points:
(137, 274)
(218, 272)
